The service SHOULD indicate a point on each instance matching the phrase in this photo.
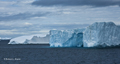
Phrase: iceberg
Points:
(66, 38)
(31, 39)
(104, 34)
(101, 34)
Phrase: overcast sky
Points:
(25, 17)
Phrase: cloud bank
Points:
(94, 3)
(22, 16)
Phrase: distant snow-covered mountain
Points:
(5, 38)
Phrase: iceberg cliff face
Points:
(32, 39)
(66, 38)
(101, 34)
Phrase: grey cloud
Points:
(21, 16)
(34, 29)
(65, 26)
(95, 3)
(38, 27)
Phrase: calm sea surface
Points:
(43, 54)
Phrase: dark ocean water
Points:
(4, 44)
(43, 54)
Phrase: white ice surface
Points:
(27, 39)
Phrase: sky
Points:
(26, 17)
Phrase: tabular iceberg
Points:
(32, 39)
(101, 34)
(66, 38)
